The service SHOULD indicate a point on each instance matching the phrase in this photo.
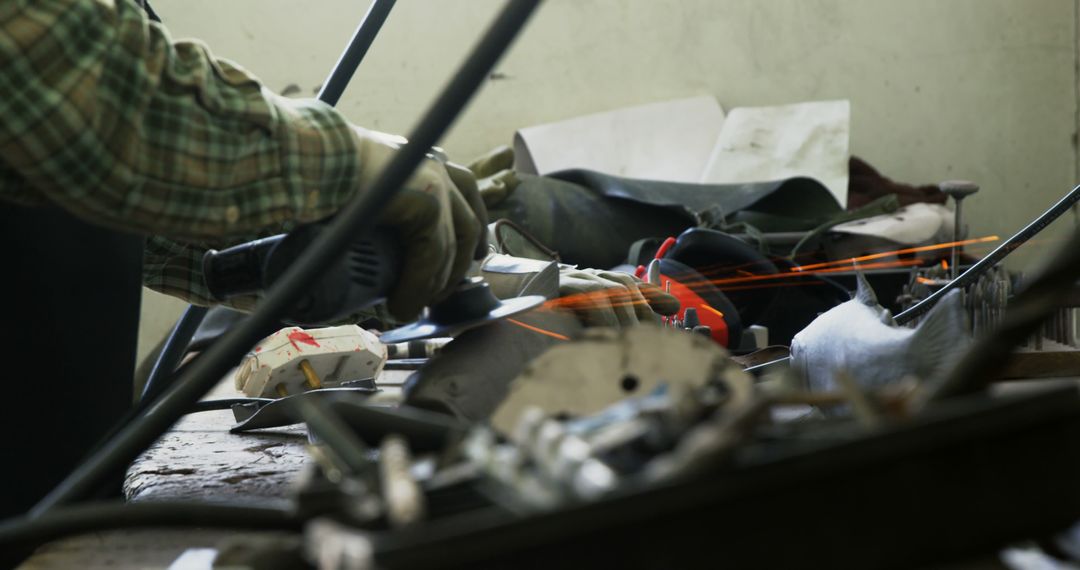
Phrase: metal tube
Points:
(356, 50)
(351, 223)
(333, 432)
(173, 351)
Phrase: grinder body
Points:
(359, 279)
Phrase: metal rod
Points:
(334, 433)
(985, 361)
(973, 272)
(173, 351)
(1007, 247)
(358, 47)
(350, 224)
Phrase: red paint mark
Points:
(258, 349)
(301, 337)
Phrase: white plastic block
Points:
(336, 354)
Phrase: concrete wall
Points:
(978, 89)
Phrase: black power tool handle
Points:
(363, 276)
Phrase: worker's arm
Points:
(103, 114)
(108, 117)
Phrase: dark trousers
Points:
(68, 330)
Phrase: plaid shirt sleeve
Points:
(103, 114)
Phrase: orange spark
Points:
(620, 297)
(721, 283)
(539, 330)
(925, 281)
(711, 309)
(882, 254)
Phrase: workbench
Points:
(197, 460)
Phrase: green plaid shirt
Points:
(104, 115)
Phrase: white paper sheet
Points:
(914, 224)
(671, 141)
(769, 143)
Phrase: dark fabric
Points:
(592, 219)
(866, 184)
(67, 343)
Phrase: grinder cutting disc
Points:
(471, 305)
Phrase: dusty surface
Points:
(197, 460)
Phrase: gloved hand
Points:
(439, 216)
(612, 298)
(597, 298)
(495, 176)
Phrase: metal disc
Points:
(428, 328)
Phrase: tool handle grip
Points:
(360, 278)
(237, 270)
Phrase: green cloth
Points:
(104, 115)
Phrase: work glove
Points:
(439, 216)
(612, 298)
(597, 298)
(495, 175)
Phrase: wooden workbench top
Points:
(198, 460)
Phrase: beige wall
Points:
(979, 89)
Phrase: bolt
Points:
(958, 190)
(311, 381)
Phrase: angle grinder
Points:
(357, 280)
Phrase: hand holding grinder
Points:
(431, 233)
